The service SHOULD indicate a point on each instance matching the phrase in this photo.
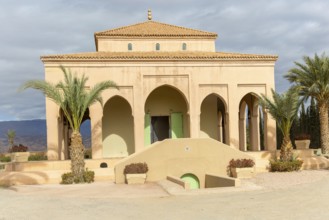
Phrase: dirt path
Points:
(302, 195)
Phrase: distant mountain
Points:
(33, 133)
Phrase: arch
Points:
(130, 46)
(165, 115)
(157, 46)
(250, 135)
(184, 46)
(117, 128)
(172, 87)
(213, 118)
(192, 179)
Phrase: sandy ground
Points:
(298, 195)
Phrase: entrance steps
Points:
(261, 160)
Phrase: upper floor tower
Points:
(153, 36)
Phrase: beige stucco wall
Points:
(230, 80)
(121, 45)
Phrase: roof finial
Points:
(149, 15)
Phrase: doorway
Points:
(160, 128)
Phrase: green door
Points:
(147, 129)
(192, 180)
(176, 122)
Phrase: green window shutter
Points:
(176, 122)
(147, 129)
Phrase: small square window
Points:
(157, 46)
(130, 46)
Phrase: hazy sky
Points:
(29, 29)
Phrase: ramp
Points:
(178, 157)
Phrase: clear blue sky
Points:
(33, 28)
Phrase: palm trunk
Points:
(286, 149)
(323, 115)
(77, 157)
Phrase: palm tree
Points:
(312, 80)
(73, 98)
(283, 109)
(11, 134)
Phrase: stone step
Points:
(316, 162)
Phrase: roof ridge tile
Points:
(155, 29)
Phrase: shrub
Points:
(241, 163)
(136, 168)
(303, 136)
(88, 177)
(4, 158)
(67, 178)
(38, 157)
(19, 148)
(285, 166)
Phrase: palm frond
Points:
(283, 108)
(71, 95)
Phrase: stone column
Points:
(227, 129)
(220, 127)
(254, 132)
(53, 135)
(96, 117)
(139, 130)
(242, 133)
(270, 133)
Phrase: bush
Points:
(4, 158)
(19, 148)
(285, 166)
(67, 178)
(299, 137)
(38, 157)
(136, 168)
(88, 177)
(241, 163)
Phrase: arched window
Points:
(130, 46)
(157, 46)
(184, 46)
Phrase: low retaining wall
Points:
(49, 172)
(178, 181)
(213, 181)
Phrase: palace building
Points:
(172, 84)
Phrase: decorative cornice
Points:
(159, 56)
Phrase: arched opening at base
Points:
(213, 119)
(251, 124)
(165, 115)
(117, 128)
(192, 180)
